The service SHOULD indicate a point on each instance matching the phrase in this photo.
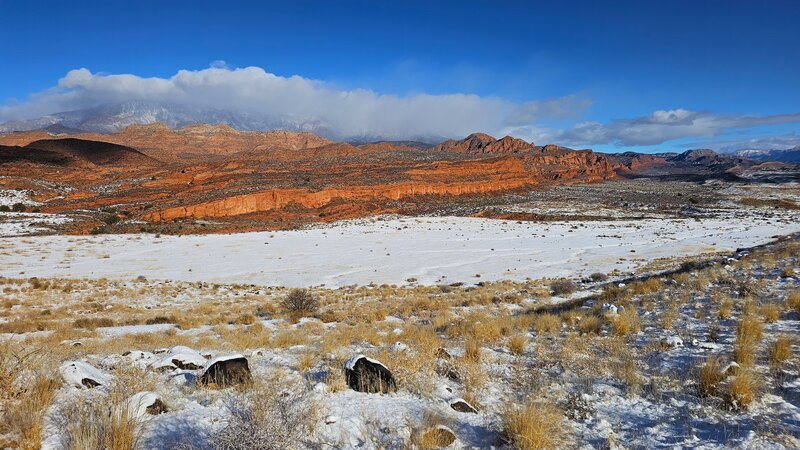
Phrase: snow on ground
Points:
(9, 197)
(20, 224)
(430, 249)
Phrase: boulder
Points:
(365, 374)
(228, 370)
(82, 374)
(463, 406)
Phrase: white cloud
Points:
(295, 99)
(662, 126)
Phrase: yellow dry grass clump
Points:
(749, 332)
(742, 389)
(547, 323)
(709, 375)
(626, 322)
(780, 351)
(535, 426)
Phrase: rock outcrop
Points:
(478, 143)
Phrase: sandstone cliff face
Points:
(440, 179)
(478, 143)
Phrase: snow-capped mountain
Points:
(110, 118)
(781, 155)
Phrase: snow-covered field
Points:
(430, 249)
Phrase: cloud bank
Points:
(296, 100)
(662, 126)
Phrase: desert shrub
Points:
(266, 418)
(709, 375)
(18, 207)
(5, 208)
(535, 426)
(563, 287)
(547, 323)
(780, 351)
(598, 276)
(111, 220)
(300, 302)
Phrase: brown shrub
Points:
(563, 287)
(299, 303)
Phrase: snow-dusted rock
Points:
(463, 406)
(182, 358)
(399, 347)
(730, 369)
(227, 370)
(673, 341)
(145, 403)
(365, 374)
(610, 308)
(83, 374)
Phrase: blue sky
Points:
(644, 75)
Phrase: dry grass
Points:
(100, 423)
(626, 322)
(793, 301)
(742, 390)
(517, 344)
(749, 332)
(536, 426)
(771, 312)
(709, 375)
(780, 351)
(432, 432)
(590, 324)
(472, 350)
(547, 323)
(725, 308)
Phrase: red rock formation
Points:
(477, 143)
(246, 180)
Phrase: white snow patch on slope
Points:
(430, 249)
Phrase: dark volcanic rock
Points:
(225, 371)
(368, 375)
